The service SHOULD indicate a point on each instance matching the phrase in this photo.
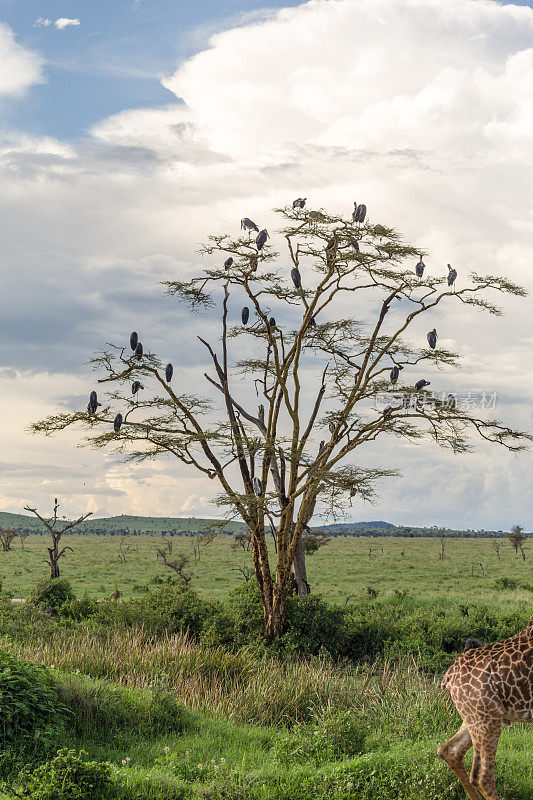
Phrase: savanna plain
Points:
(120, 681)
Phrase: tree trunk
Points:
(54, 559)
(300, 572)
(275, 613)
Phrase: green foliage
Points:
(331, 734)
(84, 608)
(170, 609)
(97, 705)
(313, 626)
(193, 768)
(51, 594)
(68, 776)
(29, 707)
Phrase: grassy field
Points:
(345, 567)
(171, 718)
(255, 729)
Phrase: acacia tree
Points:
(517, 539)
(7, 536)
(319, 376)
(51, 525)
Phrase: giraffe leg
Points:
(453, 753)
(485, 739)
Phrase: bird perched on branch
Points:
(134, 338)
(93, 403)
(395, 372)
(452, 275)
(228, 263)
(135, 386)
(272, 323)
(360, 213)
(139, 351)
(169, 372)
(432, 338)
(420, 384)
(261, 238)
(258, 487)
(298, 203)
(419, 269)
(117, 422)
(248, 224)
(296, 277)
(245, 315)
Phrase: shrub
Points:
(313, 626)
(171, 609)
(29, 702)
(68, 776)
(51, 594)
(332, 734)
(80, 609)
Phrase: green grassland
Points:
(169, 717)
(344, 568)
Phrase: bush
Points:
(171, 609)
(332, 734)
(313, 626)
(51, 594)
(79, 609)
(68, 776)
(29, 702)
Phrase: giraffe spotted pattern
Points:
(489, 686)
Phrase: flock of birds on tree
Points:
(247, 224)
(137, 349)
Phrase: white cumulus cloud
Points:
(19, 66)
(65, 22)
(421, 109)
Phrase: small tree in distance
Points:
(178, 563)
(56, 533)
(517, 539)
(7, 536)
(318, 374)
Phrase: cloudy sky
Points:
(130, 130)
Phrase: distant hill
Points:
(123, 524)
(344, 528)
(187, 526)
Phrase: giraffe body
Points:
(489, 686)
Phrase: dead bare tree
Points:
(56, 533)
(497, 546)
(7, 536)
(178, 564)
(125, 547)
(443, 541)
(321, 376)
(246, 572)
(197, 547)
(517, 539)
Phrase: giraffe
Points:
(489, 685)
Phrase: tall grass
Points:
(239, 686)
